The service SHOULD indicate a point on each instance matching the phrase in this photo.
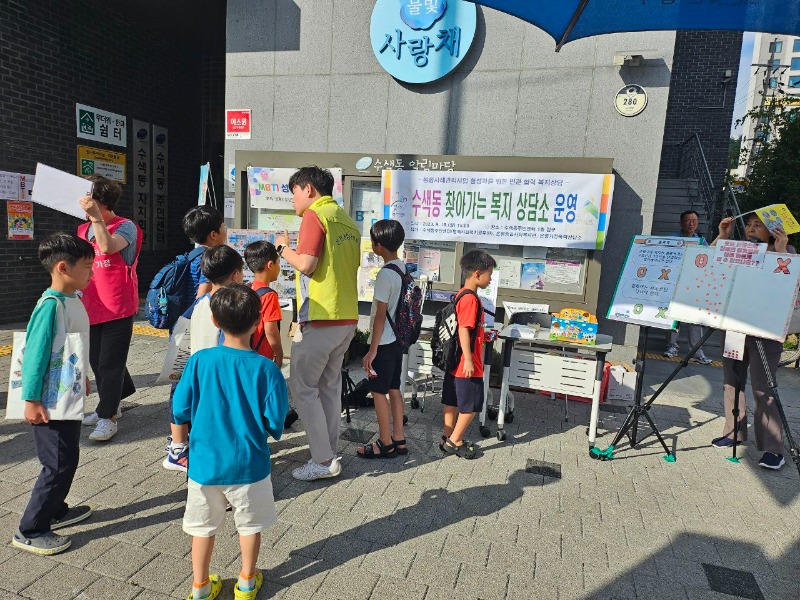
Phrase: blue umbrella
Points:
(569, 20)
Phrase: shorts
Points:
(464, 393)
(253, 507)
(388, 364)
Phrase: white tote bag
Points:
(178, 353)
(64, 386)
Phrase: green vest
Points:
(332, 290)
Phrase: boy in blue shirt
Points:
(205, 226)
(69, 261)
(234, 398)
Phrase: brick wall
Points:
(698, 102)
(56, 54)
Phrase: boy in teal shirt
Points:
(234, 398)
(69, 261)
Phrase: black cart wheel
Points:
(485, 431)
(414, 402)
(491, 413)
(510, 416)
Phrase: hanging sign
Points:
(101, 126)
(203, 191)
(420, 41)
(562, 210)
(142, 175)
(160, 186)
(237, 124)
(269, 188)
(110, 164)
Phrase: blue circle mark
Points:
(422, 55)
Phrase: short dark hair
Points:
(105, 191)
(477, 260)
(236, 308)
(220, 263)
(689, 212)
(200, 222)
(63, 246)
(258, 254)
(320, 179)
(388, 233)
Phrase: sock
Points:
(176, 449)
(202, 590)
(247, 583)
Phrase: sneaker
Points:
(311, 471)
(216, 588)
(75, 514)
(291, 417)
(91, 419)
(251, 595)
(771, 461)
(45, 545)
(671, 352)
(700, 360)
(105, 430)
(722, 442)
(177, 458)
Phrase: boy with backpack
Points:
(458, 350)
(221, 265)
(395, 319)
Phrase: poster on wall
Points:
(647, 282)
(238, 239)
(269, 187)
(26, 187)
(9, 185)
(108, 163)
(160, 186)
(568, 210)
(20, 220)
(142, 180)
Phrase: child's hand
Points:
(89, 205)
(725, 228)
(469, 366)
(367, 362)
(781, 239)
(35, 413)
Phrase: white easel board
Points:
(753, 301)
(647, 281)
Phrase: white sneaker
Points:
(311, 471)
(91, 419)
(105, 430)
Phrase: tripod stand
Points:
(639, 409)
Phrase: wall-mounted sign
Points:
(20, 220)
(556, 210)
(95, 161)
(630, 100)
(237, 124)
(142, 175)
(269, 187)
(160, 186)
(420, 41)
(101, 126)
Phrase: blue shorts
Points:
(464, 393)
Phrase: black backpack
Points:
(444, 343)
(407, 321)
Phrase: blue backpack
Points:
(171, 292)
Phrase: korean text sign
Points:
(557, 210)
(101, 126)
(269, 187)
(237, 124)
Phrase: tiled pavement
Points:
(427, 527)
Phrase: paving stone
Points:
(465, 549)
(106, 588)
(433, 571)
(62, 582)
(85, 549)
(393, 587)
(22, 570)
(391, 560)
(163, 574)
(350, 583)
(121, 561)
(479, 582)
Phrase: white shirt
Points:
(202, 333)
(388, 286)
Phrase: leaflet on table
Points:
(568, 210)
(513, 308)
(238, 239)
(269, 187)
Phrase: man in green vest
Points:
(326, 259)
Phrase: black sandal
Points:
(385, 450)
(397, 443)
(441, 444)
(466, 450)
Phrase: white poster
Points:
(26, 187)
(9, 186)
(142, 180)
(230, 207)
(101, 126)
(647, 282)
(510, 270)
(160, 186)
(269, 188)
(60, 191)
(568, 210)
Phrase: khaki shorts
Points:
(253, 507)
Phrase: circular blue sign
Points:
(420, 41)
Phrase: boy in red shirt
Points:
(263, 260)
(462, 392)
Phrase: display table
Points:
(553, 366)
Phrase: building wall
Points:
(700, 101)
(56, 54)
(307, 71)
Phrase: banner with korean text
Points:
(556, 210)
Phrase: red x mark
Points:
(782, 266)
(665, 274)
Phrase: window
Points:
(796, 46)
(795, 64)
(777, 46)
(774, 63)
(794, 81)
(773, 83)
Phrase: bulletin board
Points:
(754, 300)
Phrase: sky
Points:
(745, 73)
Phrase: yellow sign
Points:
(96, 161)
(778, 215)
(793, 100)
